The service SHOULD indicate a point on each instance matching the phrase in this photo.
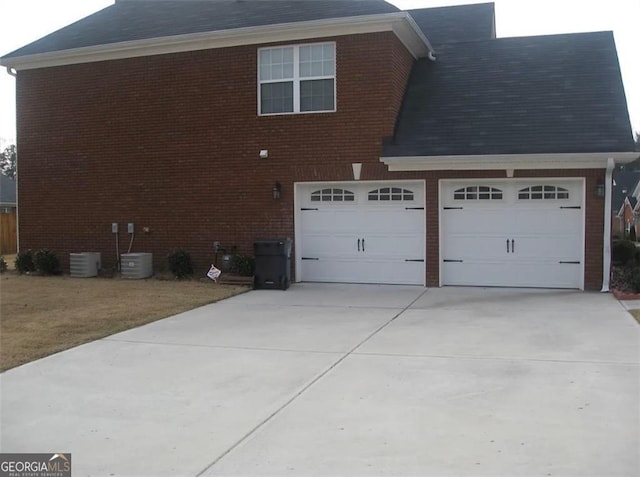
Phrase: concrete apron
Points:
(346, 379)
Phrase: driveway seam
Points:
(243, 348)
(497, 358)
(308, 386)
(365, 307)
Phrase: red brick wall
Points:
(171, 143)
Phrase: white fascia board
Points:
(507, 161)
(411, 36)
(400, 23)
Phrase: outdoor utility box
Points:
(85, 264)
(136, 265)
(273, 264)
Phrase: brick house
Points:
(405, 147)
(627, 218)
(625, 209)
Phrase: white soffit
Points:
(400, 23)
(507, 161)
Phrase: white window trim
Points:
(296, 79)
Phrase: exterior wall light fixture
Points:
(600, 189)
(277, 191)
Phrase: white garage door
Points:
(512, 233)
(361, 233)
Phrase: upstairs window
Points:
(543, 192)
(297, 79)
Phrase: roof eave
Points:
(507, 161)
(400, 23)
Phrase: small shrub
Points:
(3, 265)
(623, 252)
(244, 265)
(634, 280)
(180, 263)
(24, 262)
(47, 262)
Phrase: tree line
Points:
(8, 161)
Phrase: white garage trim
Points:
(533, 257)
(507, 162)
(360, 207)
(606, 248)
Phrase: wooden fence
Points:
(8, 233)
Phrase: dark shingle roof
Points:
(143, 19)
(457, 23)
(7, 190)
(545, 94)
(624, 181)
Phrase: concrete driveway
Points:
(346, 380)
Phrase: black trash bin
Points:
(273, 264)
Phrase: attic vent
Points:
(478, 193)
(332, 195)
(544, 192)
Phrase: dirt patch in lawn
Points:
(40, 316)
(635, 314)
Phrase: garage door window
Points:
(390, 193)
(477, 193)
(332, 195)
(543, 192)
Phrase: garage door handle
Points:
(507, 245)
(358, 245)
(363, 245)
(513, 246)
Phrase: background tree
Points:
(637, 141)
(8, 161)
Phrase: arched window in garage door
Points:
(332, 194)
(390, 193)
(543, 192)
(477, 193)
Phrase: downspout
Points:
(606, 249)
(14, 73)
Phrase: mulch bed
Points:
(620, 285)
